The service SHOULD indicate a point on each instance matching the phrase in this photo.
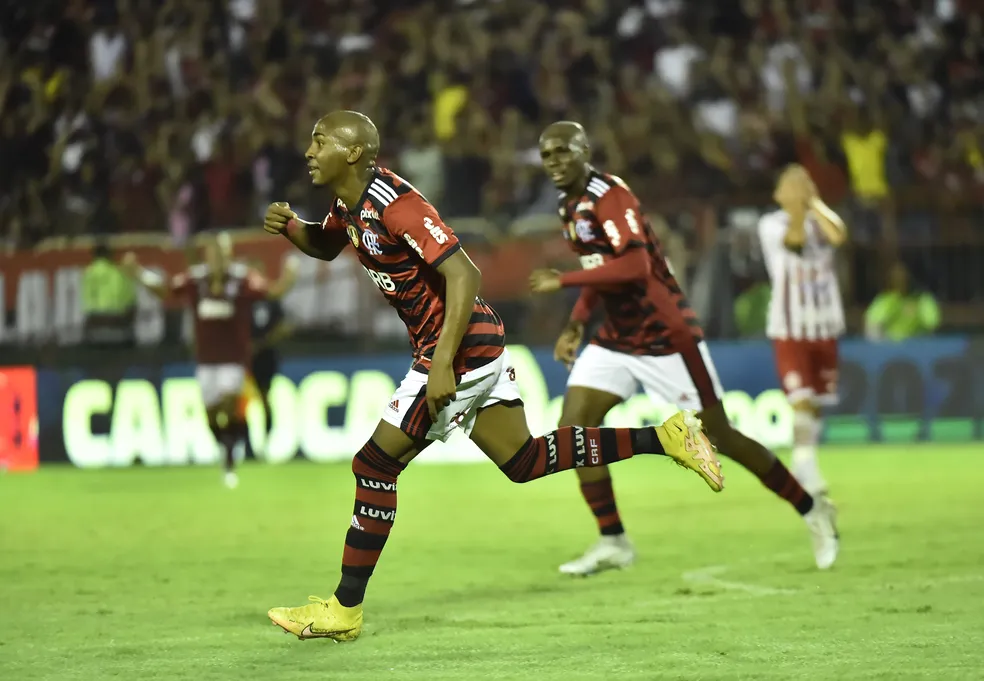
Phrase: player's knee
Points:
(521, 465)
(371, 461)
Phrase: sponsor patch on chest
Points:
(215, 308)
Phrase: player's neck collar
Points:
(370, 178)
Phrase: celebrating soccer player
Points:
(650, 336)
(221, 294)
(461, 376)
(806, 316)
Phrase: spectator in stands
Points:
(901, 311)
(192, 111)
(865, 145)
(108, 300)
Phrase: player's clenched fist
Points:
(277, 216)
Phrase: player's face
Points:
(563, 163)
(325, 157)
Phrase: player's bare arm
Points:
(567, 345)
(462, 281)
(286, 281)
(151, 281)
(309, 237)
(831, 224)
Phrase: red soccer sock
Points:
(601, 498)
(576, 447)
(781, 481)
(372, 519)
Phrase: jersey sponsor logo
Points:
(414, 245)
(214, 308)
(368, 214)
(440, 236)
(381, 279)
(356, 524)
(395, 405)
(591, 261)
(371, 242)
(613, 235)
(584, 230)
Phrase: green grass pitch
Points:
(164, 574)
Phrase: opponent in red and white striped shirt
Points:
(806, 316)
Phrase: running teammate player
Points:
(806, 316)
(221, 294)
(460, 377)
(650, 336)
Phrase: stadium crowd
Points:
(182, 115)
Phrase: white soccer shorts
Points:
(687, 378)
(483, 387)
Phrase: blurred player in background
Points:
(221, 294)
(650, 336)
(270, 327)
(806, 316)
(461, 376)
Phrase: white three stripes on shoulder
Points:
(598, 187)
(383, 193)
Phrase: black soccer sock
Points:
(576, 447)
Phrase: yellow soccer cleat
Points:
(320, 619)
(684, 441)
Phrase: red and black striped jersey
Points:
(223, 313)
(401, 240)
(646, 316)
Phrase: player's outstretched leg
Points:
(819, 514)
(502, 433)
(376, 468)
(613, 550)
